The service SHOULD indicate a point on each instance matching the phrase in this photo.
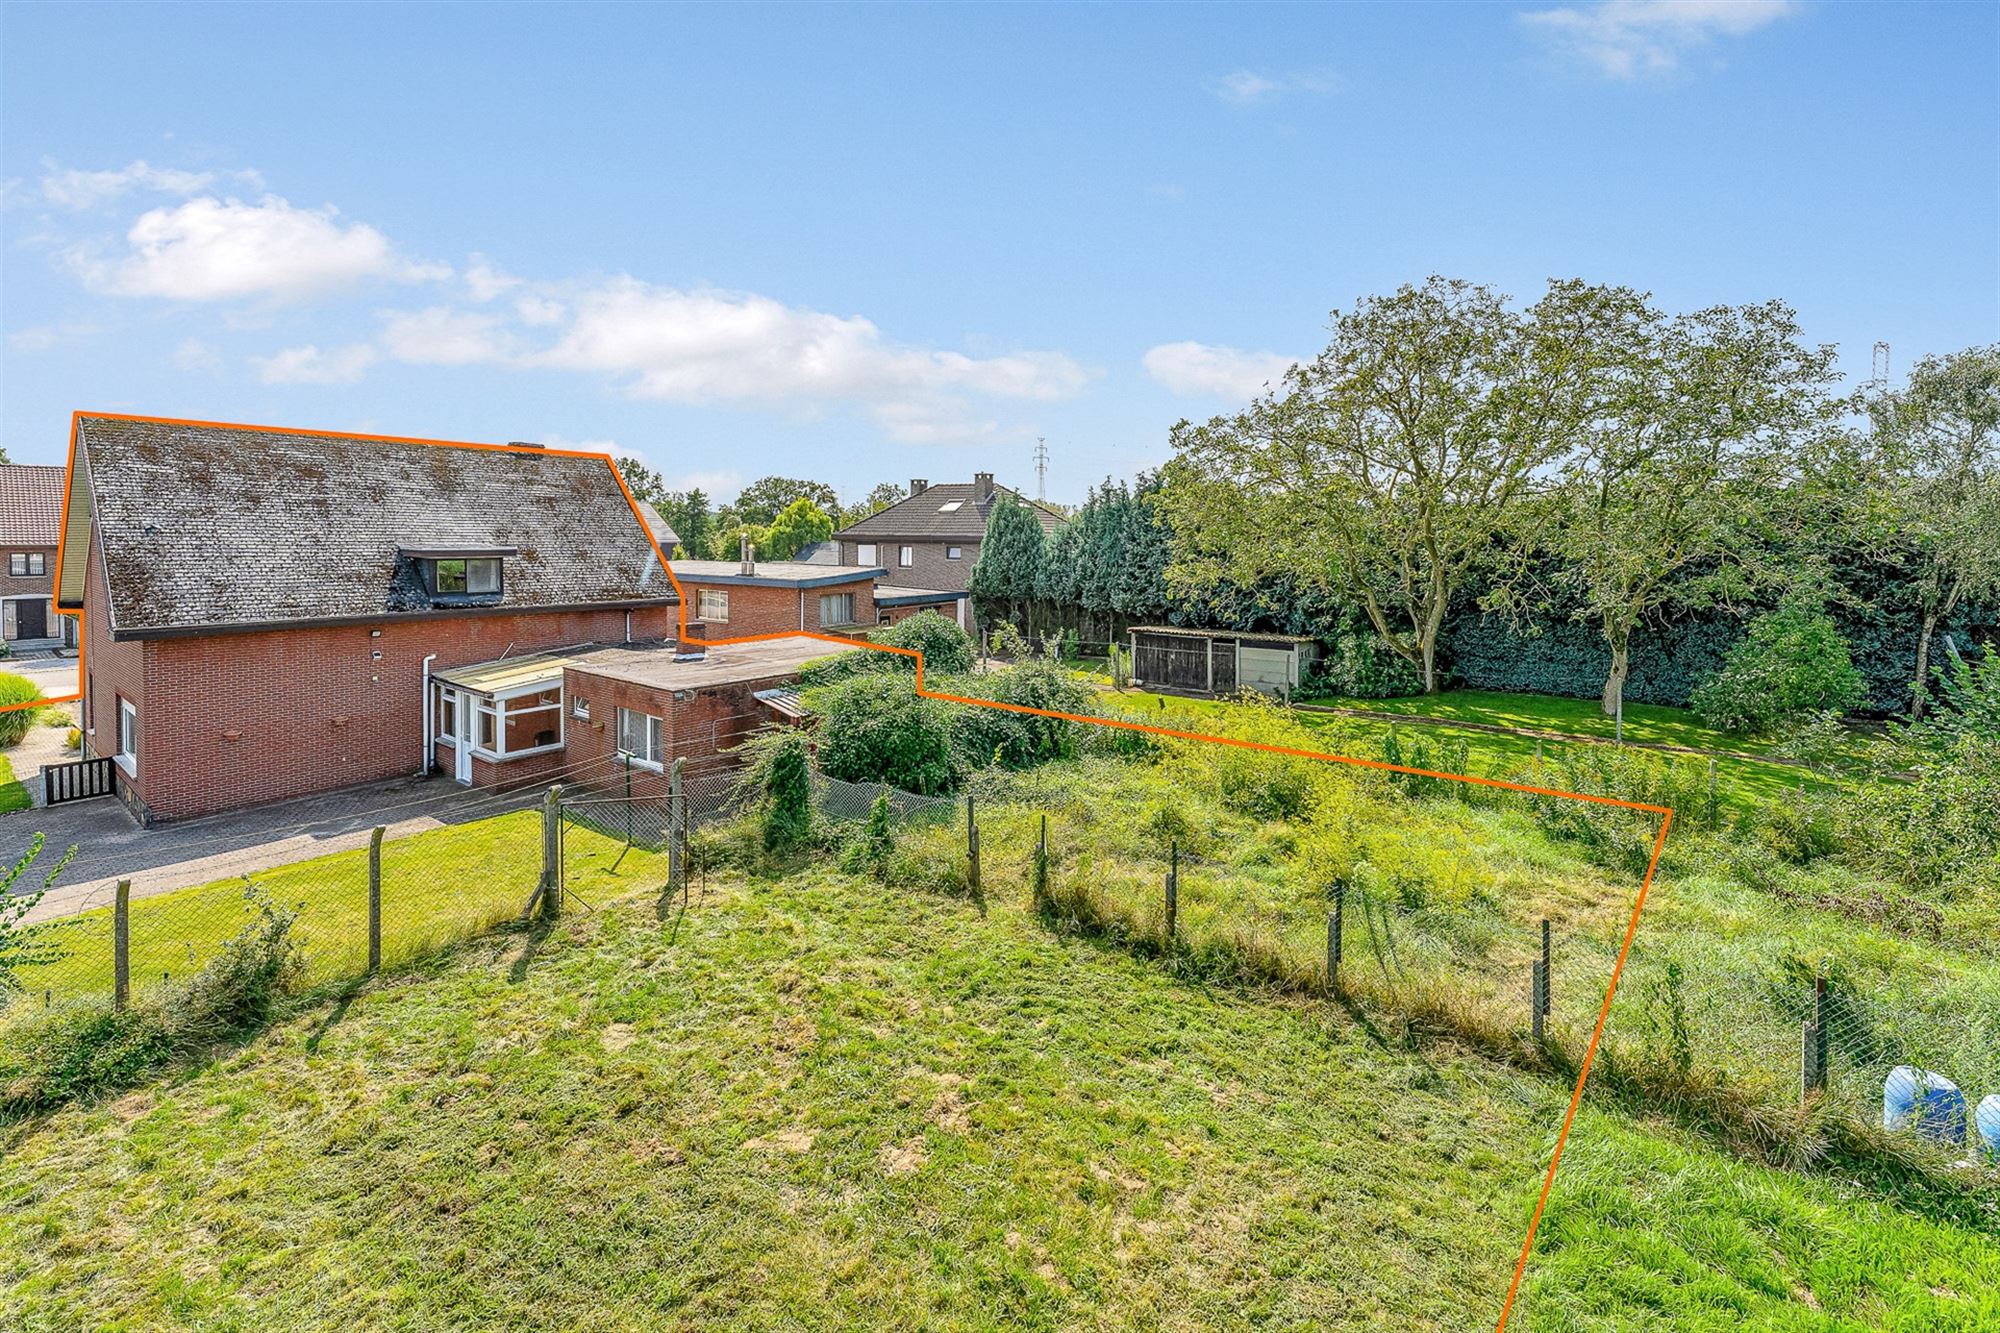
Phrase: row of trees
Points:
(780, 515)
(1590, 457)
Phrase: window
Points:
(465, 578)
(865, 553)
(447, 714)
(532, 721)
(580, 710)
(713, 604)
(950, 506)
(639, 736)
(906, 556)
(22, 563)
(836, 608)
(487, 734)
(954, 552)
(128, 735)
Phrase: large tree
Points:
(1389, 468)
(885, 494)
(762, 500)
(1936, 451)
(687, 514)
(1692, 422)
(1009, 568)
(797, 526)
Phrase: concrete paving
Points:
(111, 846)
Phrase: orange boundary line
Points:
(1631, 927)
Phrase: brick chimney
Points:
(982, 487)
(749, 555)
(918, 485)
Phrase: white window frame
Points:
(497, 707)
(866, 553)
(846, 597)
(906, 556)
(706, 598)
(653, 737)
(447, 697)
(127, 757)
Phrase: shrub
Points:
(14, 722)
(872, 851)
(21, 945)
(1791, 667)
(785, 777)
(876, 729)
(73, 739)
(946, 648)
(990, 736)
(1359, 665)
(1937, 832)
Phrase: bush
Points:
(872, 851)
(1358, 665)
(946, 648)
(1017, 740)
(1791, 667)
(784, 775)
(1938, 833)
(14, 722)
(876, 729)
(73, 739)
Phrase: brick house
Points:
(31, 501)
(270, 614)
(930, 540)
(736, 598)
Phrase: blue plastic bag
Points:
(1928, 1103)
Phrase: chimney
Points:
(982, 487)
(749, 554)
(918, 485)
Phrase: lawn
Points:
(13, 796)
(818, 1101)
(437, 886)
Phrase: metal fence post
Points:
(1042, 864)
(1538, 999)
(552, 888)
(1173, 888)
(121, 946)
(375, 899)
(971, 846)
(1812, 1044)
(1333, 940)
(676, 796)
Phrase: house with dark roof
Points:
(31, 501)
(929, 542)
(270, 614)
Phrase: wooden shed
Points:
(1217, 662)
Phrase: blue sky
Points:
(874, 243)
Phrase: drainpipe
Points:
(802, 610)
(429, 744)
(628, 627)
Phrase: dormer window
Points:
(475, 575)
(466, 578)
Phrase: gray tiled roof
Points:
(663, 531)
(226, 526)
(31, 501)
(923, 516)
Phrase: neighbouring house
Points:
(930, 540)
(736, 598)
(31, 503)
(1218, 662)
(271, 614)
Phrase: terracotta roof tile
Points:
(31, 502)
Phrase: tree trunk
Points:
(1614, 684)
(1922, 684)
(1429, 647)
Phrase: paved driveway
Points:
(111, 846)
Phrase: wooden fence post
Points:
(375, 900)
(1538, 998)
(552, 888)
(676, 812)
(1173, 889)
(121, 946)
(1333, 938)
(971, 846)
(1812, 1044)
(1042, 864)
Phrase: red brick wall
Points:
(111, 671)
(232, 720)
(898, 614)
(714, 720)
(755, 610)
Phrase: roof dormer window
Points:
(461, 575)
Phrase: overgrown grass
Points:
(819, 1100)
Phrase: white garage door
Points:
(1265, 669)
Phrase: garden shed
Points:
(1218, 662)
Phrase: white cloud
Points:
(1201, 370)
(194, 354)
(441, 336)
(1246, 87)
(210, 249)
(484, 280)
(41, 337)
(71, 188)
(1637, 39)
(309, 365)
